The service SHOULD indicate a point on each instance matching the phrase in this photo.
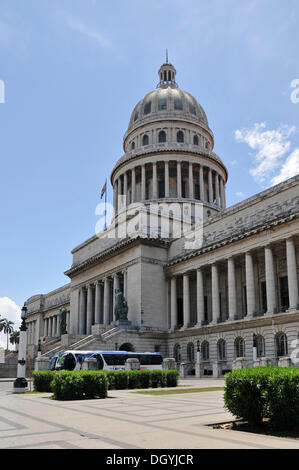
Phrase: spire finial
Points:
(166, 56)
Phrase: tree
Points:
(15, 338)
(6, 327)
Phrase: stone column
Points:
(143, 182)
(232, 297)
(115, 286)
(166, 177)
(191, 187)
(155, 181)
(179, 180)
(215, 294)
(292, 275)
(210, 186)
(201, 184)
(133, 185)
(82, 312)
(45, 327)
(57, 326)
(270, 281)
(106, 301)
(217, 189)
(89, 316)
(125, 274)
(199, 297)
(186, 300)
(173, 304)
(98, 295)
(126, 188)
(222, 203)
(250, 290)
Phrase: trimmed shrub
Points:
(144, 378)
(42, 380)
(283, 399)
(171, 377)
(110, 374)
(157, 378)
(264, 392)
(77, 385)
(121, 379)
(133, 378)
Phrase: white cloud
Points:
(240, 194)
(10, 310)
(289, 168)
(83, 29)
(271, 146)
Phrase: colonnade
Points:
(96, 301)
(198, 182)
(251, 294)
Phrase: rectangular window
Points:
(206, 307)
(284, 292)
(263, 297)
(162, 104)
(178, 104)
(244, 300)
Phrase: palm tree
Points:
(15, 338)
(6, 327)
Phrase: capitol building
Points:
(197, 275)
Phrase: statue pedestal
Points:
(122, 323)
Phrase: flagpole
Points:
(106, 205)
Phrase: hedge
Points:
(42, 380)
(69, 385)
(80, 384)
(264, 392)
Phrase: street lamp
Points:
(20, 384)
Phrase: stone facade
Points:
(226, 280)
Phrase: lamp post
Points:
(20, 384)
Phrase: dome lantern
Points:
(167, 74)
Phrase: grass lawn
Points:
(186, 390)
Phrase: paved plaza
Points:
(125, 420)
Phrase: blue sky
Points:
(73, 71)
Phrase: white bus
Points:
(106, 360)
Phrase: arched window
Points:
(221, 349)
(145, 140)
(205, 351)
(260, 346)
(162, 137)
(133, 146)
(147, 107)
(180, 136)
(192, 108)
(190, 352)
(177, 353)
(239, 347)
(281, 344)
(195, 140)
(136, 116)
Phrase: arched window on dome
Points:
(162, 137)
(145, 140)
(195, 140)
(180, 136)
(178, 104)
(147, 107)
(132, 145)
(162, 104)
(136, 116)
(192, 108)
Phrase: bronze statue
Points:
(62, 320)
(121, 306)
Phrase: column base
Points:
(20, 385)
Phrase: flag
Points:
(104, 189)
